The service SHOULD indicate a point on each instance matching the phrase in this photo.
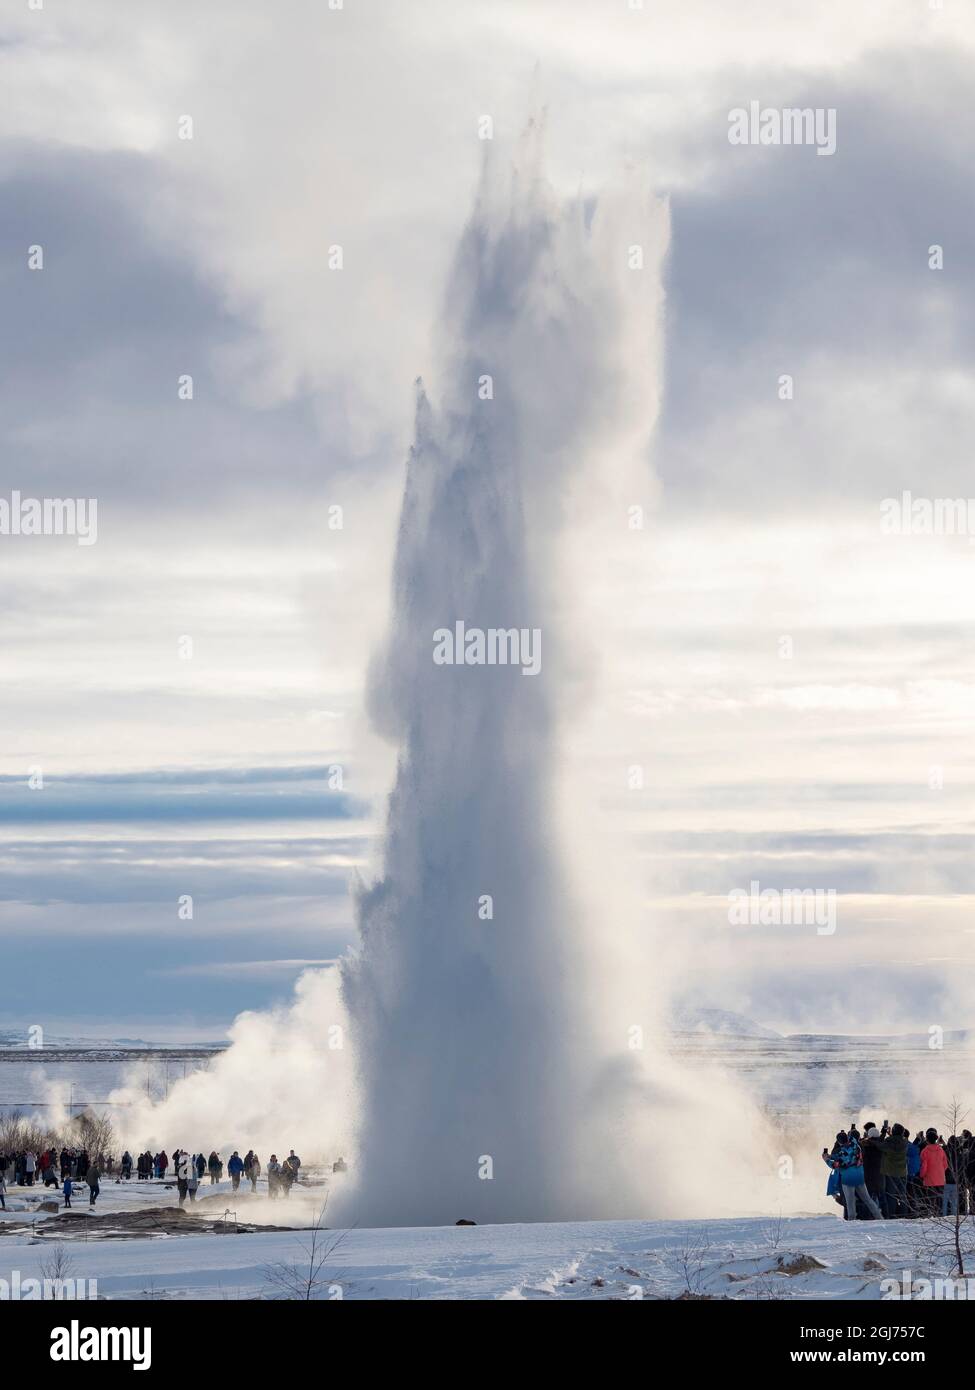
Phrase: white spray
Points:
(499, 1010)
(491, 1043)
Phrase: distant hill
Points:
(15, 1039)
(720, 1023)
(955, 1037)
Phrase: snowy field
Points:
(815, 1257)
(136, 1244)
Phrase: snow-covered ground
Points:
(736, 1254)
(808, 1257)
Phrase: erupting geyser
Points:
(491, 1058)
(497, 1056)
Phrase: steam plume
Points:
(475, 1053)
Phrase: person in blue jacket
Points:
(847, 1160)
(915, 1191)
(235, 1166)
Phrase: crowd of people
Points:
(67, 1168)
(884, 1174)
(190, 1170)
(54, 1168)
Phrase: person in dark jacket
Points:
(182, 1166)
(872, 1160)
(915, 1191)
(215, 1167)
(893, 1172)
(954, 1176)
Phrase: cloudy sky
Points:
(213, 773)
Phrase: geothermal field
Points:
(774, 1236)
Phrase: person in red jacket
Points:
(934, 1165)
